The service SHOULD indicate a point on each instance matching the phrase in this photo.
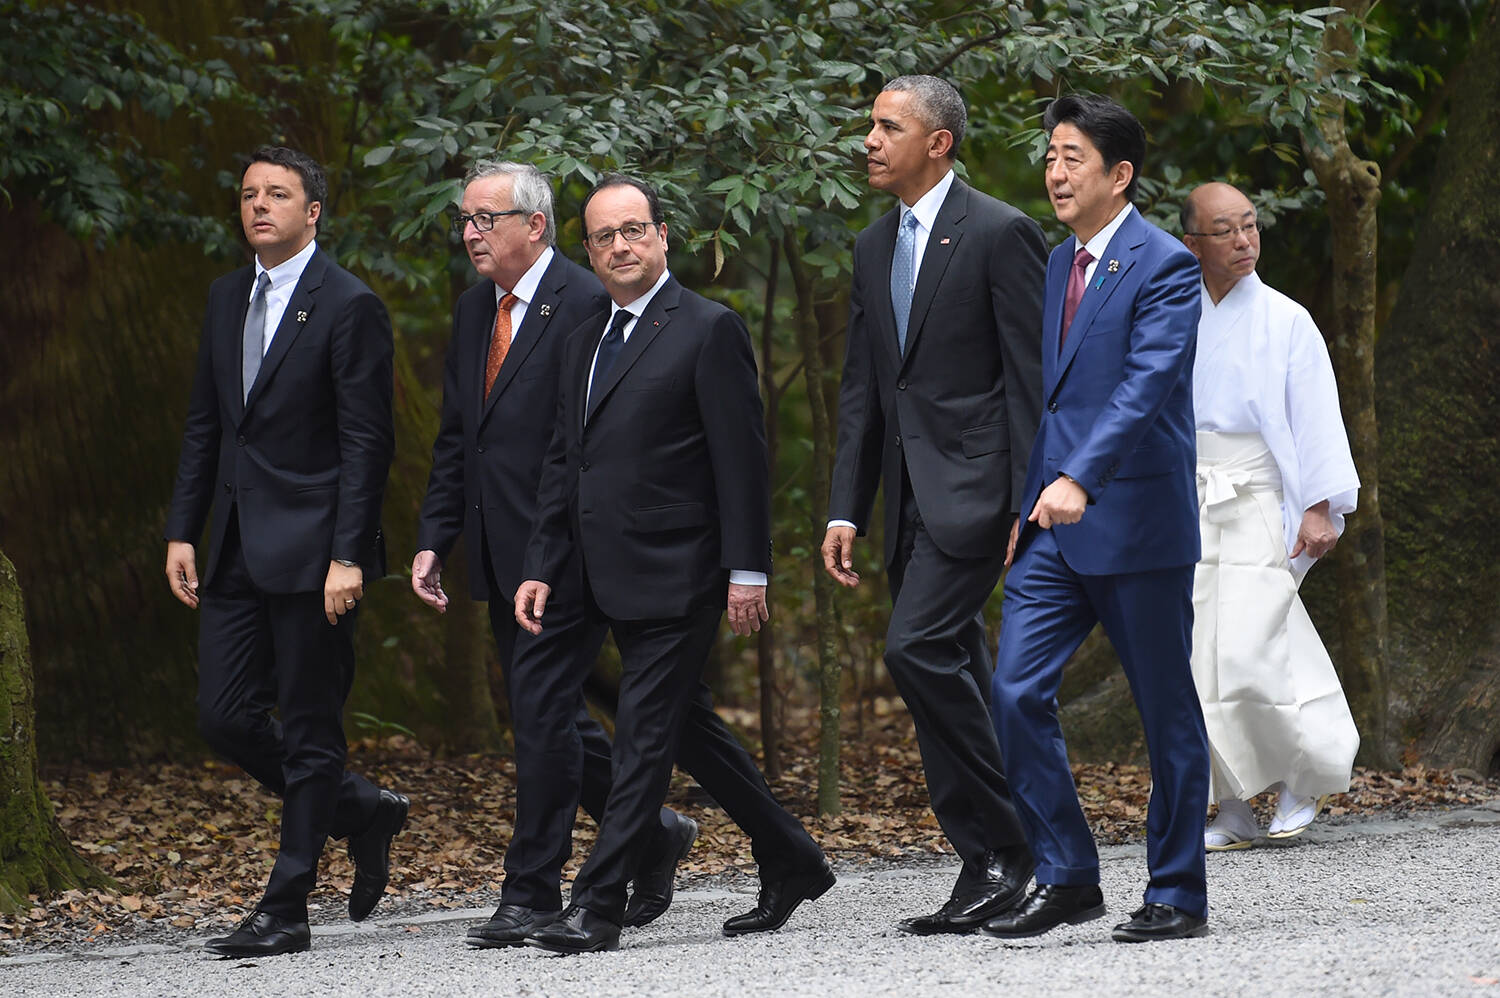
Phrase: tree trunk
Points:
(35, 856)
(1439, 409)
(829, 675)
(765, 645)
(1352, 186)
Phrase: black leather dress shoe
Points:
(1159, 921)
(779, 898)
(263, 934)
(508, 926)
(1049, 906)
(371, 852)
(970, 906)
(577, 930)
(658, 873)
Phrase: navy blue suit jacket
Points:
(304, 459)
(1118, 406)
(487, 458)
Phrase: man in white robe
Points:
(1275, 481)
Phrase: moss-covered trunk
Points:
(1352, 186)
(1439, 411)
(35, 856)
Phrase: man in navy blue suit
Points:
(1112, 532)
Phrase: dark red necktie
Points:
(1076, 283)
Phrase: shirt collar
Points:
(926, 208)
(638, 307)
(1097, 245)
(287, 273)
(525, 288)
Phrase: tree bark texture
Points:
(35, 856)
(830, 679)
(1439, 368)
(1352, 186)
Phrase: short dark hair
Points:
(621, 180)
(1113, 130)
(937, 104)
(314, 183)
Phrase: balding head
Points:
(1220, 227)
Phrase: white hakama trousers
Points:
(1271, 699)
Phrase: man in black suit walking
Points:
(656, 480)
(499, 397)
(290, 418)
(940, 399)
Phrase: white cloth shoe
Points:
(1234, 828)
(1294, 814)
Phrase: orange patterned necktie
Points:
(499, 342)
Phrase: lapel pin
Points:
(301, 316)
(944, 241)
(1099, 283)
(546, 310)
(1114, 266)
(655, 323)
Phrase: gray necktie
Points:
(904, 273)
(253, 348)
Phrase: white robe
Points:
(1272, 444)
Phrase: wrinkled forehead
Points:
(615, 205)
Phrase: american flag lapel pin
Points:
(944, 241)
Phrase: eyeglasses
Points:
(1248, 229)
(632, 231)
(484, 221)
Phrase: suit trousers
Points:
(938, 656)
(665, 712)
(1148, 616)
(261, 651)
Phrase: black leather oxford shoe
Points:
(577, 930)
(1159, 921)
(779, 898)
(508, 926)
(1007, 877)
(371, 852)
(1049, 906)
(263, 934)
(654, 882)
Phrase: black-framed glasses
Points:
(632, 231)
(484, 221)
(1249, 229)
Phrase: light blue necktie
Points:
(904, 273)
(254, 346)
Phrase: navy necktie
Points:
(610, 347)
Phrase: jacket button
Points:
(901, 385)
(240, 440)
(1051, 406)
(227, 489)
(898, 440)
(479, 450)
(584, 466)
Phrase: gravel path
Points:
(1374, 907)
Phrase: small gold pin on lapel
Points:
(546, 310)
(1114, 266)
(301, 316)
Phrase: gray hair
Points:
(936, 103)
(529, 189)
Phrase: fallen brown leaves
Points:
(191, 845)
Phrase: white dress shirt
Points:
(1097, 245)
(525, 291)
(284, 277)
(637, 308)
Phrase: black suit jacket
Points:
(305, 458)
(963, 402)
(661, 485)
(487, 459)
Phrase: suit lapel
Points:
(1121, 251)
(881, 311)
(539, 312)
(942, 241)
(298, 310)
(647, 328)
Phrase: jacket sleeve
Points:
(728, 393)
(197, 466)
(1018, 277)
(861, 431)
(361, 357)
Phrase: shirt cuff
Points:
(739, 577)
(841, 523)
